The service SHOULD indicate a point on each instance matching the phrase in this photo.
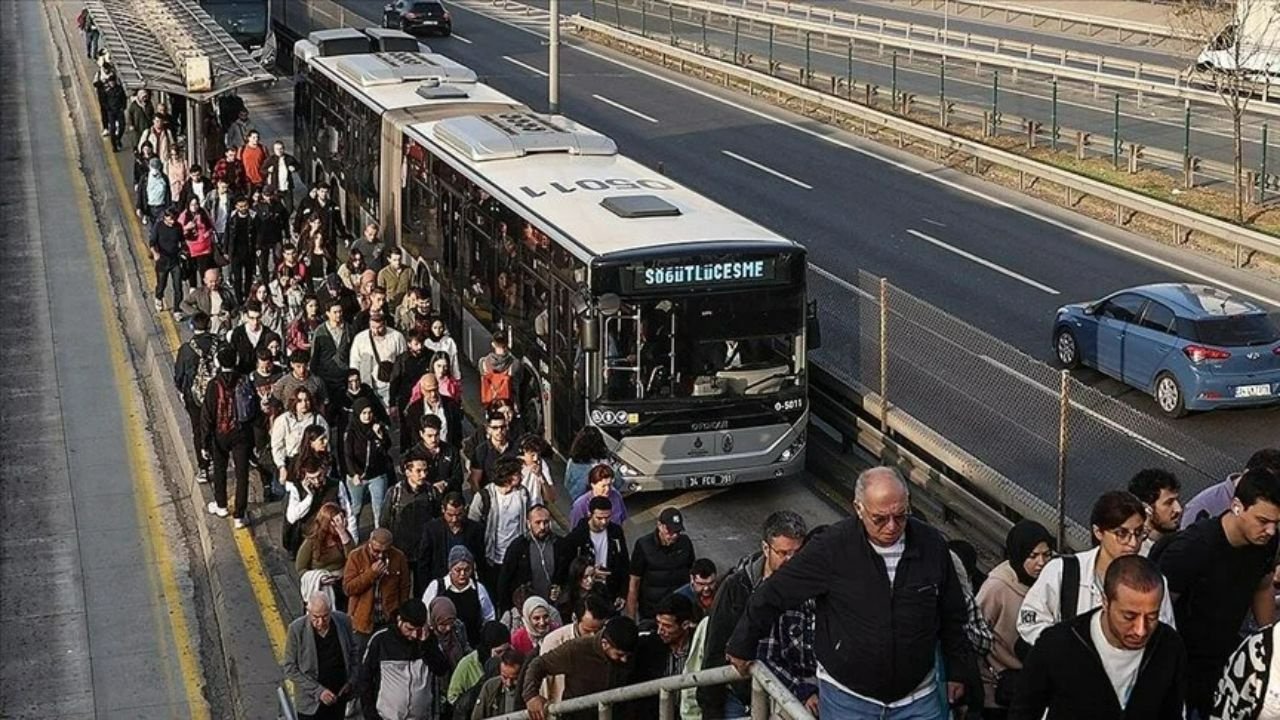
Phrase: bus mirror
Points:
(812, 328)
(589, 332)
(609, 304)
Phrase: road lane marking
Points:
(624, 108)
(273, 618)
(766, 168)
(146, 503)
(984, 262)
(526, 66)
(459, 38)
(928, 174)
(1112, 424)
(933, 222)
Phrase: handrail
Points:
(1136, 84)
(1079, 18)
(285, 703)
(1183, 218)
(765, 686)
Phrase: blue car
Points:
(1192, 347)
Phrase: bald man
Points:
(214, 299)
(889, 590)
(320, 658)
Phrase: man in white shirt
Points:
(378, 346)
(1141, 659)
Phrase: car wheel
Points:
(447, 32)
(1168, 395)
(1066, 348)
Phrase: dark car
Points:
(1192, 347)
(418, 17)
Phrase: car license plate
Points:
(1244, 391)
(718, 480)
(429, 22)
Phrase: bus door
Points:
(451, 228)
(568, 375)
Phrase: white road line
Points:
(933, 222)
(924, 174)
(766, 168)
(624, 108)
(526, 66)
(459, 38)
(984, 262)
(1141, 439)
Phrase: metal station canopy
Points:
(172, 46)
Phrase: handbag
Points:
(382, 373)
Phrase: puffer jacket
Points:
(398, 674)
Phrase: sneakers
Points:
(177, 315)
(202, 476)
(213, 509)
(241, 523)
(106, 132)
(159, 305)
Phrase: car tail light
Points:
(446, 15)
(1275, 350)
(411, 16)
(1200, 353)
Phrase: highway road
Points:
(999, 261)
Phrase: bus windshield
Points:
(244, 20)
(740, 343)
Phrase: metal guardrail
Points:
(1179, 90)
(989, 43)
(1125, 30)
(1126, 202)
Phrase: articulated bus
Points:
(675, 326)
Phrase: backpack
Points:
(1069, 593)
(226, 418)
(82, 18)
(495, 385)
(246, 400)
(206, 369)
(486, 500)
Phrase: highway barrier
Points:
(1125, 31)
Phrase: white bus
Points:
(674, 325)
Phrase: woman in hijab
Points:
(476, 667)
(1028, 548)
(452, 636)
(365, 447)
(539, 619)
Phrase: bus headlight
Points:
(627, 471)
(792, 450)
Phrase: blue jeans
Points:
(834, 703)
(733, 707)
(377, 488)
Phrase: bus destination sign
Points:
(726, 272)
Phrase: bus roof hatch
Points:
(512, 135)
(390, 68)
(639, 206)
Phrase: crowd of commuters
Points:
(316, 363)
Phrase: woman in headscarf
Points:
(471, 601)
(539, 620)
(476, 667)
(442, 616)
(368, 460)
(1028, 548)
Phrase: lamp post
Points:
(553, 62)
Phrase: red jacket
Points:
(197, 231)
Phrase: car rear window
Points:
(1247, 329)
(428, 8)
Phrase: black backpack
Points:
(206, 369)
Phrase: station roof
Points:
(150, 42)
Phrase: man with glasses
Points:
(701, 588)
(887, 600)
(377, 584)
(782, 537)
(496, 446)
(250, 336)
(401, 666)
(1218, 570)
(321, 661)
(1071, 585)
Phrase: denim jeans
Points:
(835, 703)
(377, 488)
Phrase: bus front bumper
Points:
(717, 478)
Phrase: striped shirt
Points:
(891, 556)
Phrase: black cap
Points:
(673, 519)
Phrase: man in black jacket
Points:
(249, 337)
(331, 351)
(444, 463)
(1116, 662)
(273, 227)
(441, 534)
(410, 504)
(167, 249)
(407, 368)
(660, 564)
(229, 440)
(242, 243)
(597, 530)
(192, 370)
(530, 560)
(782, 537)
(887, 596)
(401, 665)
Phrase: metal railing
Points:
(956, 150)
(1125, 30)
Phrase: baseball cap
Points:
(673, 519)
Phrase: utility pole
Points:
(553, 62)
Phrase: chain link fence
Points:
(1038, 430)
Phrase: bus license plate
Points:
(718, 480)
(1244, 391)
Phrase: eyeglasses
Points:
(1125, 535)
(880, 521)
(784, 554)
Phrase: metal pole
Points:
(671, 21)
(771, 49)
(1115, 133)
(893, 83)
(553, 60)
(848, 70)
(195, 131)
(1053, 137)
(884, 355)
(995, 102)
(736, 21)
(617, 15)
(1262, 177)
(704, 33)
(1064, 404)
(1186, 134)
(644, 19)
(808, 67)
(942, 92)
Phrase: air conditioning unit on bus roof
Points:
(511, 135)
(393, 68)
